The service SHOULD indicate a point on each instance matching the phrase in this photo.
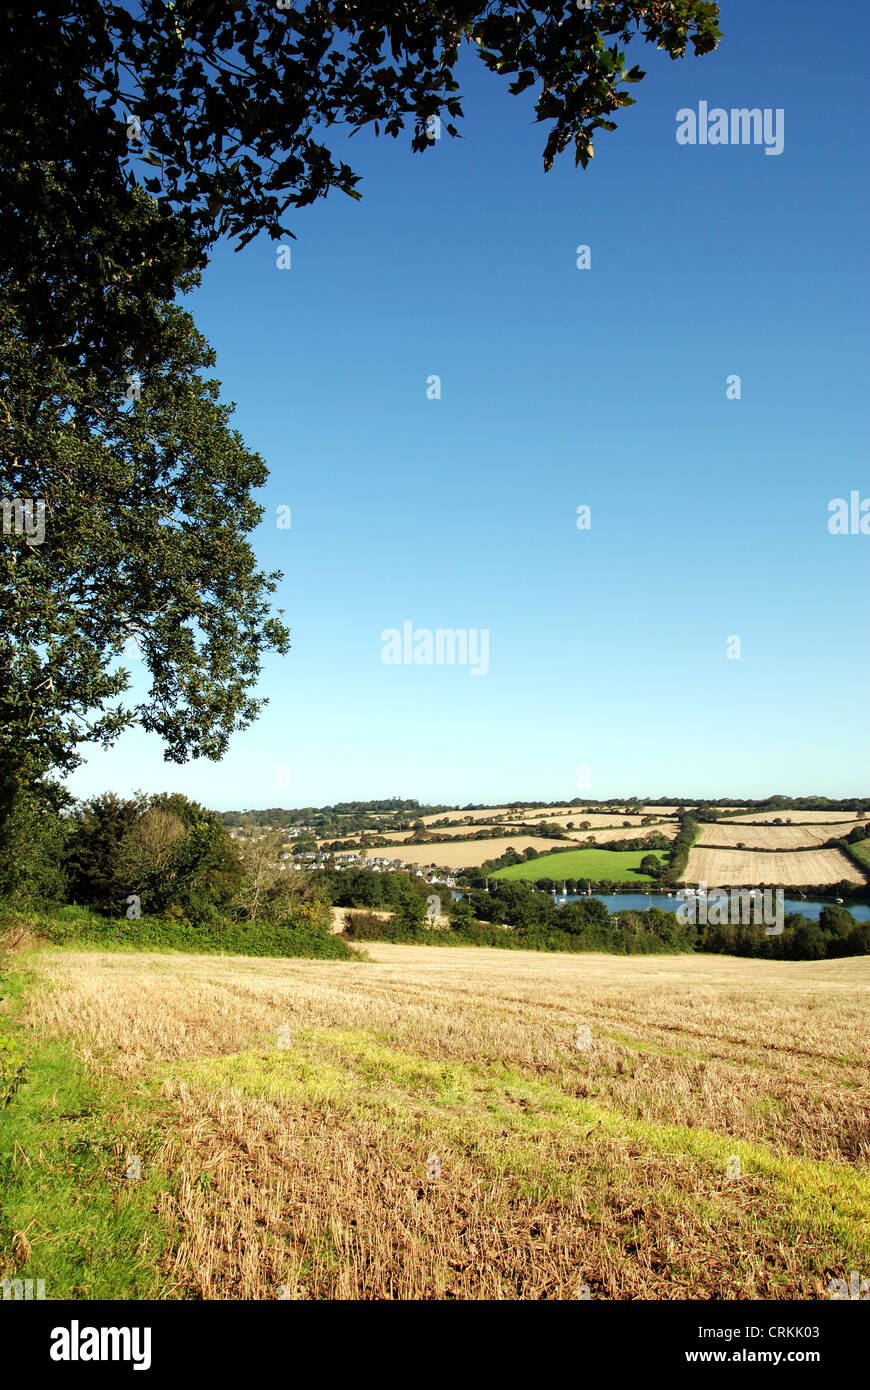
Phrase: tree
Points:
(651, 865)
(167, 850)
(32, 850)
(409, 913)
(221, 108)
(200, 871)
(153, 841)
(147, 511)
(589, 918)
(835, 921)
(96, 861)
(462, 916)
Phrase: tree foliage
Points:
(130, 141)
(233, 100)
(148, 509)
(168, 851)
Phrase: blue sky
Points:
(562, 387)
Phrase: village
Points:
(312, 859)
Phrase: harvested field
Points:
(616, 832)
(797, 817)
(301, 1162)
(596, 821)
(773, 836)
(741, 868)
(631, 832)
(526, 813)
(459, 854)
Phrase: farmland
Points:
(619, 832)
(466, 854)
(304, 1165)
(773, 836)
(560, 814)
(595, 820)
(797, 817)
(862, 852)
(433, 850)
(737, 867)
(620, 866)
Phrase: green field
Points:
(861, 851)
(619, 865)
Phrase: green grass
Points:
(861, 850)
(68, 1213)
(619, 865)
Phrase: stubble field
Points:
(773, 836)
(738, 867)
(284, 1113)
(799, 817)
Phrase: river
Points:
(617, 902)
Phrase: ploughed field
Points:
(283, 1113)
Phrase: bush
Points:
(476, 933)
(364, 926)
(304, 937)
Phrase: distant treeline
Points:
(512, 915)
(344, 816)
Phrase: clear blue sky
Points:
(562, 387)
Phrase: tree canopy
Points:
(147, 511)
(222, 108)
(131, 140)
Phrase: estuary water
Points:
(623, 902)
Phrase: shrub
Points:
(364, 926)
(175, 932)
